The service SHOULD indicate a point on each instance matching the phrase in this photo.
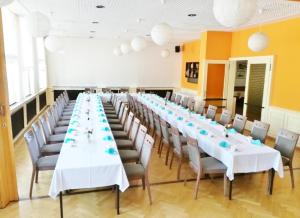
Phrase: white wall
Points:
(91, 62)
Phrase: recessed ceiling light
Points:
(91, 37)
(100, 6)
(148, 35)
(92, 31)
(192, 15)
(95, 22)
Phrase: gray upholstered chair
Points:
(55, 113)
(54, 128)
(116, 118)
(185, 101)
(173, 97)
(201, 108)
(146, 116)
(157, 130)
(239, 123)
(124, 133)
(141, 170)
(260, 130)
(225, 117)
(45, 148)
(151, 122)
(129, 143)
(202, 166)
(178, 99)
(141, 111)
(285, 143)
(166, 139)
(39, 162)
(191, 104)
(114, 108)
(134, 155)
(168, 95)
(179, 150)
(118, 124)
(211, 112)
(49, 135)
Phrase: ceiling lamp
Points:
(54, 44)
(138, 43)
(258, 41)
(125, 48)
(161, 34)
(165, 53)
(5, 2)
(39, 24)
(117, 52)
(233, 13)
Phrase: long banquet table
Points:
(240, 154)
(89, 157)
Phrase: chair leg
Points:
(179, 168)
(161, 148)
(197, 185)
(37, 176)
(143, 182)
(172, 157)
(167, 156)
(292, 175)
(148, 188)
(31, 182)
(159, 145)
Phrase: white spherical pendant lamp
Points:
(54, 44)
(161, 34)
(39, 24)
(258, 41)
(117, 52)
(138, 43)
(233, 13)
(5, 2)
(125, 48)
(165, 53)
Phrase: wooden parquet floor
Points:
(170, 197)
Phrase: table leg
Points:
(117, 199)
(271, 181)
(61, 205)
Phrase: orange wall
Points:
(217, 49)
(215, 80)
(191, 53)
(285, 45)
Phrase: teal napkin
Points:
(106, 129)
(180, 118)
(224, 144)
(67, 140)
(190, 124)
(102, 115)
(70, 130)
(103, 121)
(231, 131)
(111, 151)
(107, 138)
(203, 132)
(256, 142)
(170, 112)
(213, 123)
(201, 117)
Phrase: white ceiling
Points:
(119, 18)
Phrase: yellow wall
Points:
(191, 53)
(285, 45)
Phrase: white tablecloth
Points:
(246, 159)
(106, 97)
(88, 162)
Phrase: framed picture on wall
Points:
(192, 71)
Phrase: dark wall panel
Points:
(159, 92)
(17, 122)
(31, 110)
(43, 101)
(72, 93)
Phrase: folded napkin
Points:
(179, 118)
(213, 123)
(203, 132)
(111, 151)
(103, 121)
(256, 142)
(231, 131)
(67, 140)
(107, 138)
(224, 144)
(190, 124)
(170, 112)
(71, 130)
(201, 117)
(106, 129)
(102, 115)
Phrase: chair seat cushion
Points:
(47, 162)
(68, 113)
(60, 129)
(116, 127)
(124, 143)
(112, 116)
(184, 150)
(68, 117)
(134, 170)
(52, 148)
(120, 134)
(63, 122)
(114, 121)
(56, 138)
(129, 155)
(212, 165)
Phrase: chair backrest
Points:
(134, 129)
(239, 123)
(173, 96)
(120, 114)
(128, 122)
(168, 94)
(157, 124)
(151, 118)
(201, 108)
(54, 112)
(176, 139)
(124, 115)
(191, 104)
(39, 134)
(194, 153)
(211, 112)
(50, 120)
(185, 101)
(286, 142)
(32, 145)
(165, 131)
(45, 126)
(146, 151)
(178, 99)
(260, 130)
(140, 138)
(146, 115)
(141, 111)
(225, 117)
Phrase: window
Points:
(42, 69)
(10, 32)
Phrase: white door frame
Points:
(269, 61)
(204, 76)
